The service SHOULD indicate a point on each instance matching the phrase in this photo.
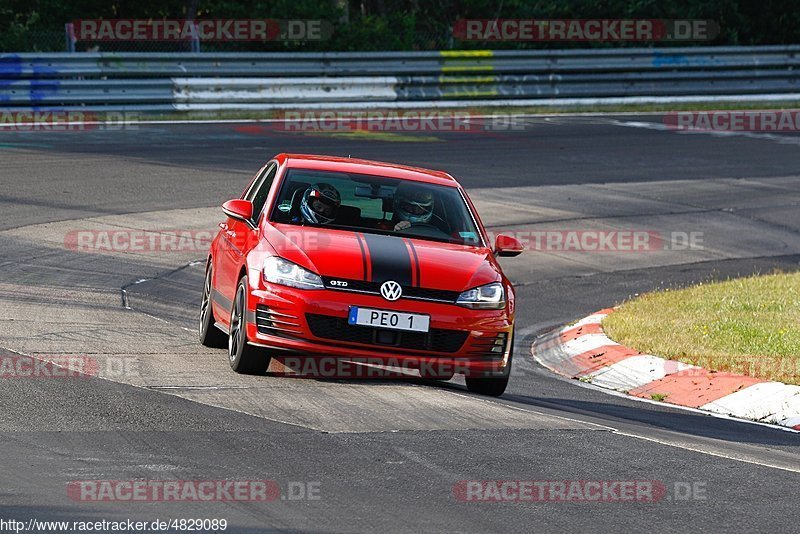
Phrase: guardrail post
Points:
(195, 37)
(69, 35)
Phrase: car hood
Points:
(348, 255)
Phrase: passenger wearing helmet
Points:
(412, 205)
(320, 204)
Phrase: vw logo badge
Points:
(391, 290)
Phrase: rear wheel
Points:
(210, 335)
(244, 358)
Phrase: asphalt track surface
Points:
(385, 455)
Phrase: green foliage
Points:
(399, 24)
(392, 32)
(15, 29)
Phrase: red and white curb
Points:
(582, 351)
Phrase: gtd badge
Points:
(391, 290)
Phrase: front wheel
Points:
(244, 358)
(493, 386)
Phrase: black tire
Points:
(245, 359)
(492, 386)
(210, 335)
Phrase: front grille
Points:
(275, 323)
(337, 328)
(410, 292)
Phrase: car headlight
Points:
(488, 297)
(280, 271)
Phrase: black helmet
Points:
(320, 203)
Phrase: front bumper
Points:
(314, 323)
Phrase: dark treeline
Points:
(29, 25)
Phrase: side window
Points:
(251, 191)
(261, 191)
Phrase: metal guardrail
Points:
(270, 80)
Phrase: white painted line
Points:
(780, 139)
(228, 93)
(544, 102)
(712, 453)
(313, 81)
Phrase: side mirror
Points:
(239, 209)
(508, 246)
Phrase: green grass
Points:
(748, 326)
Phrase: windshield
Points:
(375, 204)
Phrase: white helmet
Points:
(413, 203)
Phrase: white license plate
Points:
(392, 320)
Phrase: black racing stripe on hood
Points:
(389, 258)
(415, 261)
(363, 256)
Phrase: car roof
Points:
(363, 166)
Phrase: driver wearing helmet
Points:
(412, 205)
(320, 204)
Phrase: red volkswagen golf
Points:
(352, 259)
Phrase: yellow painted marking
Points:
(459, 94)
(466, 53)
(467, 79)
